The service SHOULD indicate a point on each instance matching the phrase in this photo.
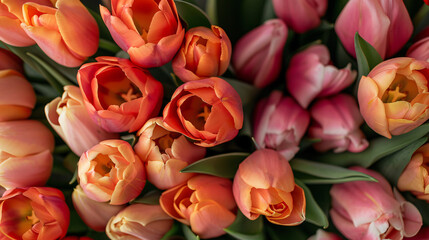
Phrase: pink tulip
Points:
(264, 185)
(279, 124)
(322, 235)
(25, 154)
(419, 50)
(205, 203)
(393, 98)
(422, 235)
(385, 24)
(165, 153)
(336, 124)
(370, 210)
(148, 30)
(70, 119)
(310, 75)
(111, 171)
(9, 61)
(257, 56)
(139, 221)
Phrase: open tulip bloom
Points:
(214, 119)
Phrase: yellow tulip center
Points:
(196, 111)
(204, 113)
(33, 218)
(164, 139)
(401, 89)
(104, 165)
(130, 95)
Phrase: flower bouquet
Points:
(214, 119)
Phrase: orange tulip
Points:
(204, 53)
(264, 185)
(33, 213)
(17, 97)
(149, 31)
(8, 60)
(208, 111)
(205, 203)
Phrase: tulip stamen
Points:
(129, 96)
(33, 218)
(394, 95)
(205, 114)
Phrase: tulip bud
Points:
(279, 124)
(419, 50)
(9, 61)
(204, 53)
(111, 171)
(139, 221)
(310, 75)
(322, 235)
(257, 57)
(336, 123)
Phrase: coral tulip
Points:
(9, 61)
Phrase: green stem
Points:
(108, 45)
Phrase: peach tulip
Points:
(95, 214)
(149, 31)
(336, 123)
(165, 153)
(111, 171)
(17, 97)
(322, 235)
(205, 53)
(394, 98)
(139, 221)
(310, 75)
(385, 24)
(257, 56)
(205, 203)
(33, 213)
(419, 50)
(67, 33)
(279, 124)
(119, 95)
(264, 185)
(370, 210)
(70, 119)
(208, 111)
(9, 61)
(25, 153)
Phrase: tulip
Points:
(264, 185)
(67, 33)
(301, 15)
(9, 61)
(322, 235)
(280, 123)
(33, 213)
(149, 31)
(415, 176)
(70, 119)
(17, 97)
(118, 95)
(336, 124)
(23, 145)
(385, 24)
(393, 98)
(111, 171)
(208, 111)
(370, 210)
(423, 234)
(139, 221)
(419, 50)
(165, 153)
(95, 214)
(205, 203)
(257, 57)
(310, 75)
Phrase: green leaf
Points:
(245, 229)
(251, 13)
(192, 15)
(223, 165)
(189, 235)
(313, 213)
(320, 173)
(77, 226)
(173, 231)
(151, 198)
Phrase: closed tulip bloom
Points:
(336, 123)
(33, 213)
(370, 210)
(59, 30)
(385, 24)
(149, 31)
(23, 145)
(95, 214)
(264, 185)
(279, 124)
(165, 154)
(208, 111)
(9, 61)
(139, 222)
(70, 119)
(111, 171)
(17, 97)
(310, 75)
(419, 50)
(300, 15)
(322, 235)
(119, 95)
(257, 56)
(393, 98)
